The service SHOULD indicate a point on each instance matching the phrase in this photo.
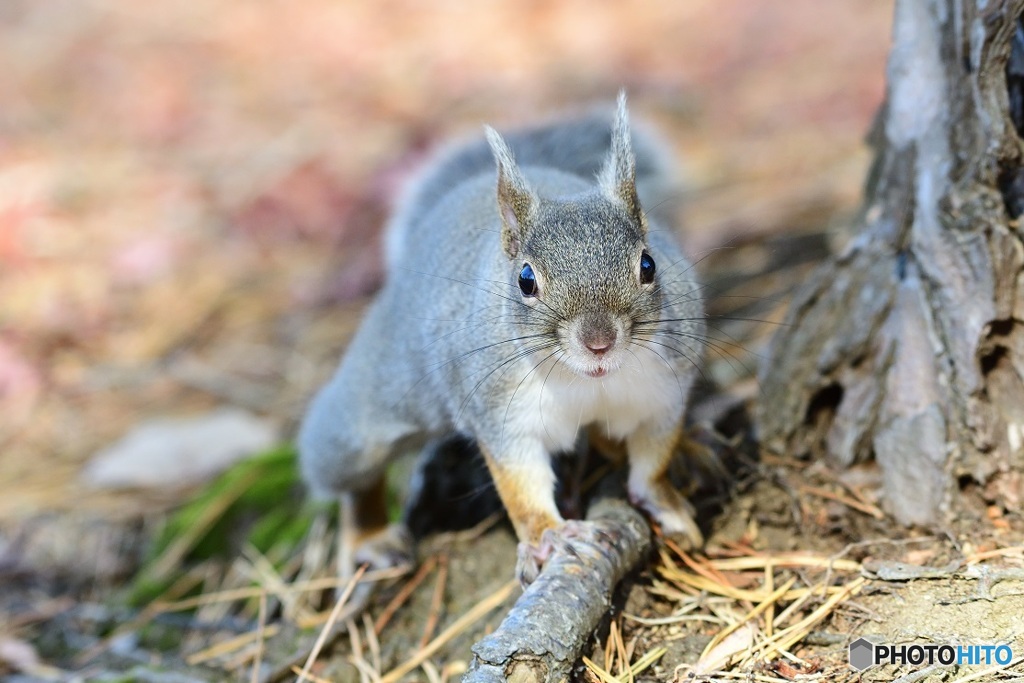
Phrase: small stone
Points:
(179, 452)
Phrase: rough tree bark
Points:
(909, 346)
(548, 628)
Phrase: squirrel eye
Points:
(646, 268)
(527, 281)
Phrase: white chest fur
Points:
(553, 403)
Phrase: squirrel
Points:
(528, 296)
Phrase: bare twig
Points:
(545, 633)
(328, 627)
(407, 590)
(435, 601)
(477, 612)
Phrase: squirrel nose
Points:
(598, 336)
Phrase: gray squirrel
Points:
(528, 296)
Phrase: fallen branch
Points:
(544, 634)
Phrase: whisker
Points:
(679, 381)
(481, 323)
(434, 367)
(540, 407)
(723, 353)
(554, 319)
(715, 317)
(504, 421)
(692, 362)
(523, 353)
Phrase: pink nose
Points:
(598, 334)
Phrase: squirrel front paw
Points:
(532, 558)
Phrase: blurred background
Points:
(191, 193)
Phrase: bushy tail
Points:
(575, 145)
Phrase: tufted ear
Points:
(516, 201)
(618, 176)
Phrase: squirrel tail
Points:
(577, 145)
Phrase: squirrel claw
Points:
(390, 547)
(532, 558)
(558, 538)
(529, 560)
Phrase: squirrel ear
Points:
(618, 177)
(516, 200)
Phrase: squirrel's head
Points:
(583, 270)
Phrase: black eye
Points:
(527, 281)
(646, 268)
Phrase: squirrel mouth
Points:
(597, 372)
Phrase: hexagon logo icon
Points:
(862, 654)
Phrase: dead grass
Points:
(757, 612)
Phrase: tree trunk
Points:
(909, 346)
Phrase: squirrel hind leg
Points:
(360, 542)
(365, 537)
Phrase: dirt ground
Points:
(191, 198)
